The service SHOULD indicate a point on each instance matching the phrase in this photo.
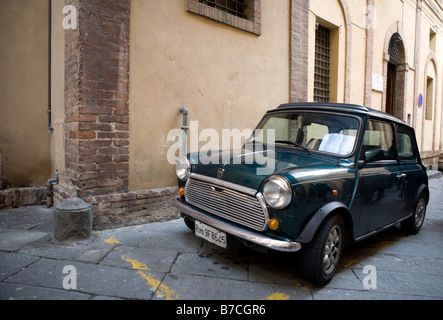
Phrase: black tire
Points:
(190, 223)
(413, 224)
(320, 258)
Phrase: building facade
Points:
(92, 89)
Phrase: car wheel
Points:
(321, 258)
(190, 223)
(413, 224)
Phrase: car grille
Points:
(226, 203)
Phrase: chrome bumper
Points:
(250, 236)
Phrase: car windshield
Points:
(310, 131)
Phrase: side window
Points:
(378, 143)
(406, 147)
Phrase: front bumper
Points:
(251, 236)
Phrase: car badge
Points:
(220, 173)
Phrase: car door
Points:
(379, 192)
(411, 169)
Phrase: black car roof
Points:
(341, 107)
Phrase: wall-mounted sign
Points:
(377, 82)
(420, 103)
(420, 100)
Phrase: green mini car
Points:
(312, 178)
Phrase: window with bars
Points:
(241, 14)
(234, 7)
(322, 64)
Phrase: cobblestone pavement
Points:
(165, 261)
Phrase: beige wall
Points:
(330, 15)
(57, 142)
(431, 66)
(24, 138)
(226, 77)
(390, 17)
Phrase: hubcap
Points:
(332, 251)
(420, 213)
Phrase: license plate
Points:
(211, 234)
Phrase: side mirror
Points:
(361, 164)
(371, 156)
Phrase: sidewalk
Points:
(165, 261)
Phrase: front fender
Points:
(309, 231)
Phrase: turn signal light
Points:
(181, 192)
(274, 224)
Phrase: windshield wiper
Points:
(255, 143)
(294, 144)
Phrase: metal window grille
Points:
(234, 7)
(322, 64)
(394, 53)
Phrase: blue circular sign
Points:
(420, 100)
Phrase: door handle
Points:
(402, 176)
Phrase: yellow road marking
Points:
(278, 296)
(112, 241)
(160, 289)
(137, 265)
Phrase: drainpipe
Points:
(50, 126)
(49, 189)
(417, 65)
(185, 128)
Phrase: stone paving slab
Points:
(194, 287)
(13, 240)
(150, 259)
(166, 261)
(92, 279)
(10, 291)
(11, 263)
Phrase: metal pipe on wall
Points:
(185, 128)
(50, 126)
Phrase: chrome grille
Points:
(226, 203)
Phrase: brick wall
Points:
(299, 50)
(97, 120)
(22, 197)
(126, 209)
(96, 95)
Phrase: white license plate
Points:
(211, 234)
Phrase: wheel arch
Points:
(321, 216)
(425, 191)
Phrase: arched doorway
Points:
(396, 73)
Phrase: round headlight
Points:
(277, 192)
(183, 168)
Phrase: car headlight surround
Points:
(183, 168)
(277, 192)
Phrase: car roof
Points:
(340, 107)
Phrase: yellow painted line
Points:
(137, 265)
(161, 290)
(112, 241)
(349, 262)
(278, 296)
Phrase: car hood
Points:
(250, 168)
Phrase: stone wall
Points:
(15, 198)
(126, 209)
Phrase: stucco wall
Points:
(24, 138)
(226, 77)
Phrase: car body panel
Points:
(370, 196)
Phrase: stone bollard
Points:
(73, 220)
